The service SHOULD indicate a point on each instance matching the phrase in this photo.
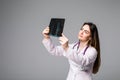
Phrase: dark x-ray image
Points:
(56, 26)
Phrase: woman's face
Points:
(84, 33)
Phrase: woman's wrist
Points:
(65, 46)
(46, 38)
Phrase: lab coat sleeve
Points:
(51, 48)
(80, 58)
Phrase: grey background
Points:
(22, 55)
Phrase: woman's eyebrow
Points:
(87, 31)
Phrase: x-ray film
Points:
(56, 26)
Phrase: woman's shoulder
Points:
(72, 44)
(92, 49)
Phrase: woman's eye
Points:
(86, 32)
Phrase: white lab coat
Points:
(81, 66)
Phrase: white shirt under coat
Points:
(81, 65)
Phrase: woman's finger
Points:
(63, 35)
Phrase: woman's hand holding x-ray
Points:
(46, 32)
(64, 42)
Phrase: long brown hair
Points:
(95, 43)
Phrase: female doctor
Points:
(83, 56)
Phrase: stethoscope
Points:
(78, 45)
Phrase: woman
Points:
(83, 56)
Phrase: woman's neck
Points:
(83, 44)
